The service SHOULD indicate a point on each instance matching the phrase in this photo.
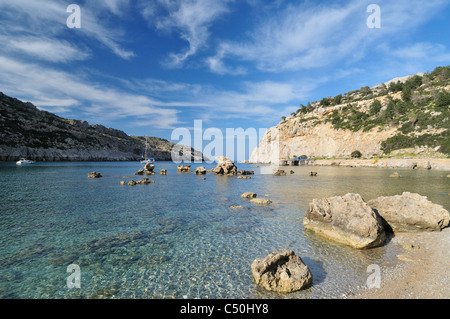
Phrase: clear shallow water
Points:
(179, 238)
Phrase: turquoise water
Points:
(179, 238)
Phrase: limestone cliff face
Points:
(409, 114)
(316, 140)
(26, 131)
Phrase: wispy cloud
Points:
(56, 90)
(47, 20)
(52, 50)
(189, 19)
(309, 35)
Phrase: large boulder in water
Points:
(281, 271)
(411, 212)
(345, 219)
(149, 168)
(225, 166)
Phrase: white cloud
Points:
(52, 50)
(311, 35)
(422, 50)
(55, 90)
(47, 20)
(190, 19)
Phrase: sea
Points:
(179, 237)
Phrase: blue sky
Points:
(148, 67)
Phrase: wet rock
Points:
(236, 207)
(145, 181)
(280, 172)
(224, 166)
(148, 168)
(244, 177)
(131, 183)
(200, 170)
(281, 271)
(411, 212)
(313, 174)
(244, 172)
(345, 219)
(163, 172)
(292, 172)
(94, 175)
(185, 169)
(395, 175)
(123, 183)
(261, 201)
(248, 195)
(140, 172)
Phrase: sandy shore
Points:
(428, 163)
(423, 271)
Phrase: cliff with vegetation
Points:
(407, 117)
(26, 131)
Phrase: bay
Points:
(179, 238)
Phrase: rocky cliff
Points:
(26, 131)
(408, 115)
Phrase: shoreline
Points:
(425, 163)
(422, 272)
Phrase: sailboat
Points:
(144, 157)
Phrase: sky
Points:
(151, 67)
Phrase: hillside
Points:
(408, 117)
(26, 131)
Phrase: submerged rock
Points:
(244, 172)
(261, 201)
(281, 271)
(145, 181)
(200, 170)
(411, 212)
(94, 175)
(345, 219)
(280, 172)
(248, 195)
(395, 175)
(184, 169)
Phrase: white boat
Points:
(144, 158)
(150, 160)
(24, 161)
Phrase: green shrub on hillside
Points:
(356, 154)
